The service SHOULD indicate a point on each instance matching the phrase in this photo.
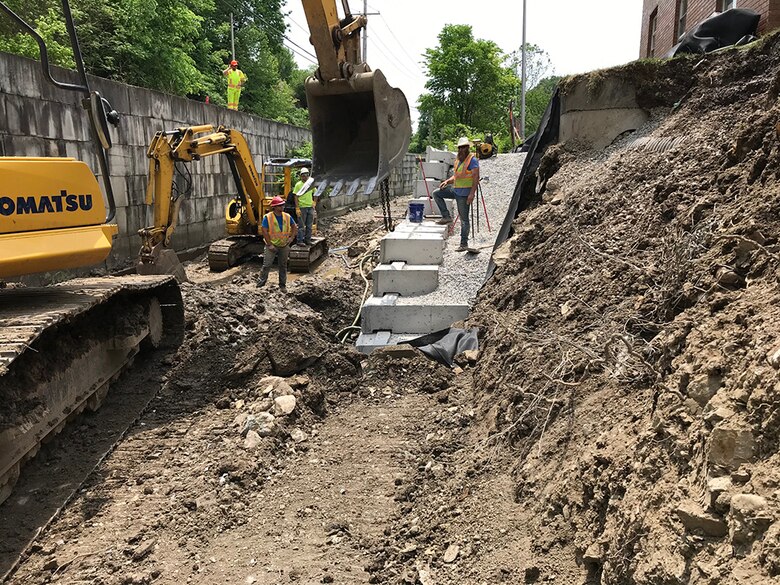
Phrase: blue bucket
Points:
(416, 211)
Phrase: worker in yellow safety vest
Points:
(279, 231)
(464, 181)
(236, 80)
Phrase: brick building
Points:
(664, 21)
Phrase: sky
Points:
(578, 36)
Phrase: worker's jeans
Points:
(268, 260)
(463, 210)
(305, 224)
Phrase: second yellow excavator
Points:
(243, 213)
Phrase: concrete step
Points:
(421, 191)
(368, 342)
(412, 247)
(436, 170)
(384, 314)
(405, 279)
(431, 154)
(425, 227)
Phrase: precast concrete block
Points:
(426, 227)
(434, 155)
(368, 342)
(420, 189)
(407, 280)
(436, 170)
(412, 248)
(385, 314)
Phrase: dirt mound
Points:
(630, 345)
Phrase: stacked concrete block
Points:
(436, 167)
(410, 262)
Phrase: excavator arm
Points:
(186, 145)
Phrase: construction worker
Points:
(279, 230)
(306, 207)
(236, 80)
(464, 181)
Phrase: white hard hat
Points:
(304, 171)
(463, 141)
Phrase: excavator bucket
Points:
(360, 129)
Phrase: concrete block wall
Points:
(37, 119)
(698, 10)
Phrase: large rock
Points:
(730, 446)
(748, 520)
(252, 441)
(284, 405)
(697, 521)
(273, 386)
(262, 423)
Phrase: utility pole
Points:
(232, 38)
(365, 33)
(522, 85)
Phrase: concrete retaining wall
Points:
(597, 113)
(37, 119)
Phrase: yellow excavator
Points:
(243, 214)
(360, 126)
(61, 346)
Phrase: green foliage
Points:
(470, 86)
(51, 27)
(176, 46)
(305, 150)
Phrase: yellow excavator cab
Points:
(52, 216)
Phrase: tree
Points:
(537, 64)
(175, 46)
(469, 87)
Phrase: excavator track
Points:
(61, 346)
(305, 259)
(229, 252)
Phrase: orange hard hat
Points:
(277, 201)
(234, 62)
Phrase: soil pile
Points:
(631, 343)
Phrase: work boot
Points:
(261, 283)
(461, 248)
(283, 288)
(444, 221)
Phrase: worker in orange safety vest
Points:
(236, 80)
(462, 187)
(279, 231)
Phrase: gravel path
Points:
(461, 275)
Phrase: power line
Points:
(392, 60)
(307, 55)
(400, 44)
(284, 36)
(302, 55)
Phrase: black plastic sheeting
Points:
(733, 27)
(444, 345)
(528, 189)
